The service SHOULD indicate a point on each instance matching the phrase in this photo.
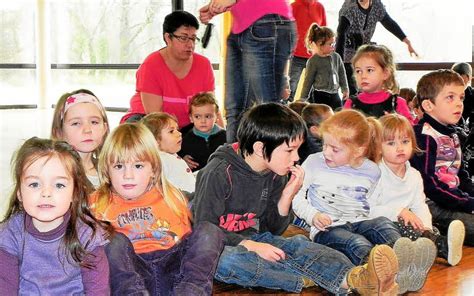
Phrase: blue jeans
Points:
(326, 267)
(185, 269)
(255, 64)
(356, 240)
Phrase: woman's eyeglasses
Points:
(185, 39)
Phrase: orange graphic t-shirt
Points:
(147, 221)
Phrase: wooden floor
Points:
(442, 279)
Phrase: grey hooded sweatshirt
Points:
(241, 201)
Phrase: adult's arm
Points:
(392, 26)
(96, 279)
(9, 274)
(342, 29)
(151, 103)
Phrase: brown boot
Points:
(377, 277)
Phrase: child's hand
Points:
(295, 182)
(321, 221)
(264, 250)
(190, 162)
(410, 218)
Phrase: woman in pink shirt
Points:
(262, 39)
(171, 76)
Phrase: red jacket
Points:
(305, 13)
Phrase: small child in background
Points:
(338, 190)
(374, 71)
(465, 70)
(165, 129)
(298, 106)
(50, 244)
(205, 136)
(409, 95)
(325, 73)
(138, 201)
(313, 115)
(80, 119)
(402, 198)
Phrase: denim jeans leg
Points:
(236, 89)
(297, 65)
(255, 63)
(325, 266)
(344, 239)
(129, 274)
(442, 217)
(379, 231)
(200, 255)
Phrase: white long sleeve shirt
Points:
(398, 193)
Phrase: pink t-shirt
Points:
(378, 97)
(246, 12)
(156, 78)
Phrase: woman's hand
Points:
(410, 48)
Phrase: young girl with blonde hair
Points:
(339, 187)
(402, 197)
(325, 73)
(139, 202)
(374, 71)
(80, 119)
(50, 244)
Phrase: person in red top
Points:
(305, 12)
(171, 76)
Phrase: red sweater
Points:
(305, 13)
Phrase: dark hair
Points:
(272, 124)
(462, 69)
(313, 114)
(34, 149)
(177, 19)
(407, 93)
(430, 85)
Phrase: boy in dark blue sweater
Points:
(447, 185)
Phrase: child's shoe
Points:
(415, 260)
(404, 250)
(456, 234)
(377, 276)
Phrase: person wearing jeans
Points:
(258, 48)
(188, 261)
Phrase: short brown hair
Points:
(313, 114)
(430, 85)
(298, 106)
(157, 121)
(202, 99)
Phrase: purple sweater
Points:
(34, 263)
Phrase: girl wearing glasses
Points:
(325, 72)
